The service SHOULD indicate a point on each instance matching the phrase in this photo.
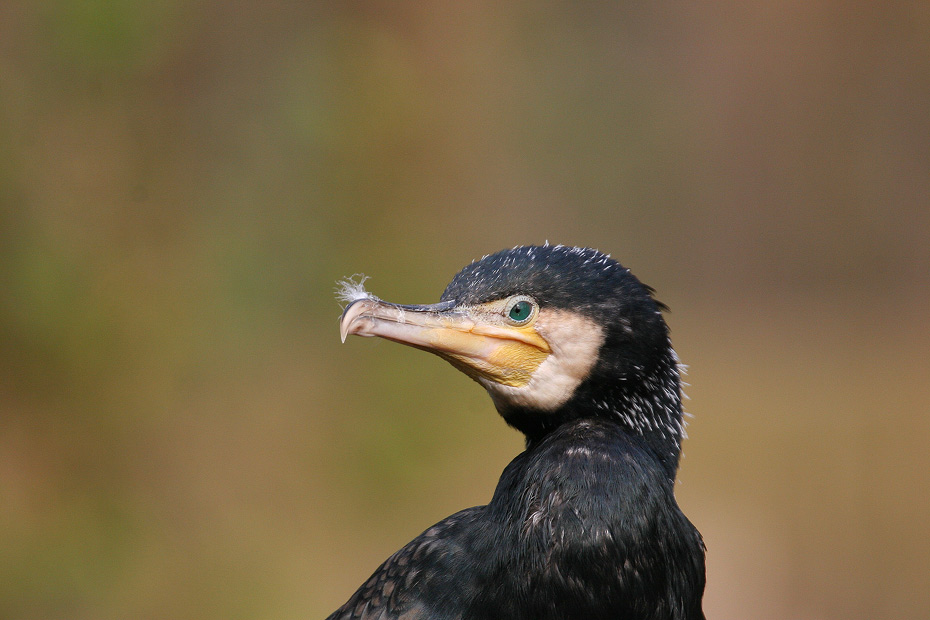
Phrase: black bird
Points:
(583, 525)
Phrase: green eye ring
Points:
(520, 310)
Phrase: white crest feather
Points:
(352, 289)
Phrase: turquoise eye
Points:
(520, 311)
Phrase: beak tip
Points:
(344, 329)
(348, 318)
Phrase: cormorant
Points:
(583, 525)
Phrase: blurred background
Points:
(181, 184)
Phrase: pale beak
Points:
(472, 339)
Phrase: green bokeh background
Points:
(181, 184)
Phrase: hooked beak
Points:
(474, 339)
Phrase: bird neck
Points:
(592, 520)
(650, 408)
(647, 406)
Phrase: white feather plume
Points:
(352, 289)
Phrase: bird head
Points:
(553, 333)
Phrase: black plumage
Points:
(584, 523)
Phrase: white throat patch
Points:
(575, 342)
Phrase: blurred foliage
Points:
(182, 183)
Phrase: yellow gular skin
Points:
(510, 363)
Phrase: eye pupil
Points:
(521, 311)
